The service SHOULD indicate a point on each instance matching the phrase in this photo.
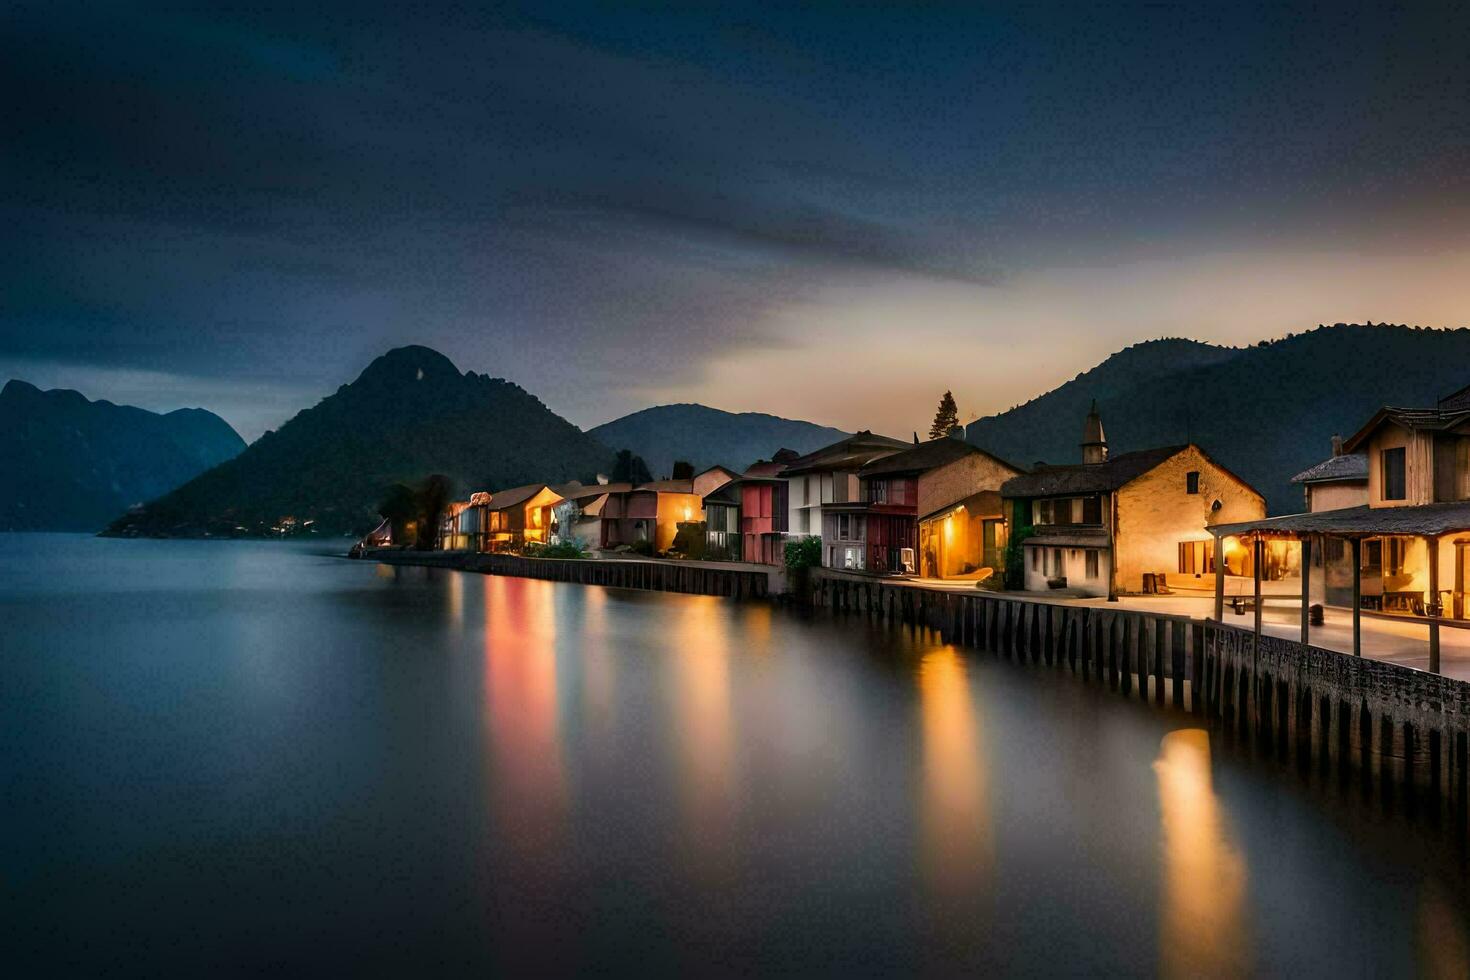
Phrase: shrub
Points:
(644, 548)
(1015, 559)
(564, 549)
(804, 553)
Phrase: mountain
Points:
(409, 414)
(706, 436)
(1267, 412)
(69, 464)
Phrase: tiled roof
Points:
(927, 456)
(501, 499)
(1046, 481)
(1428, 419)
(668, 486)
(851, 453)
(1347, 467)
(985, 503)
(578, 491)
(1426, 519)
(1068, 537)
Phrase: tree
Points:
(946, 418)
(432, 499)
(683, 470)
(399, 508)
(628, 468)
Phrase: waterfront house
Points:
(879, 531)
(829, 476)
(1404, 550)
(451, 537)
(1340, 480)
(519, 516)
(652, 512)
(1135, 522)
(578, 517)
(745, 519)
(961, 521)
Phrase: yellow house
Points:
(1136, 522)
(520, 516)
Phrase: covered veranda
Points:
(1433, 534)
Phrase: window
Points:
(1035, 559)
(1043, 512)
(1393, 477)
(1091, 510)
(1196, 557)
(1056, 562)
(877, 491)
(1395, 552)
(1091, 562)
(1191, 481)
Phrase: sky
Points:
(822, 213)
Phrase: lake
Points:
(238, 757)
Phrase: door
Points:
(990, 544)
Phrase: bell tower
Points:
(1094, 443)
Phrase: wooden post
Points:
(1306, 584)
(1357, 559)
(1219, 578)
(1433, 607)
(1258, 553)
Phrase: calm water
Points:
(234, 757)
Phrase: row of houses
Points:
(942, 509)
(1387, 518)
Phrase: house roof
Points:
(986, 503)
(1068, 537)
(730, 489)
(579, 491)
(927, 456)
(732, 474)
(504, 499)
(851, 453)
(1346, 468)
(1429, 419)
(1113, 473)
(763, 467)
(1425, 519)
(668, 486)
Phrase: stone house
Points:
(1135, 522)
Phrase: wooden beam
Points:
(1357, 559)
(1258, 550)
(1219, 578)
(1306, 584)
(1433, 608)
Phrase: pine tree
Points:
(946, 418)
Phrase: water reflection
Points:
(1204, 889)
(521, 713)
(954, 816)
(1443, 937)
(705, 750)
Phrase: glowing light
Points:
(954, 813)
(1203, 917)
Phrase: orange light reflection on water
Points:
(956, 845)
(706, 749)
(1203, 917)
(521, 712)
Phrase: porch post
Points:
(1433, 609)
(1258, 551)
(1219, 578)
(1357, 559)
(1306, 584)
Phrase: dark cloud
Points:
(584, 198)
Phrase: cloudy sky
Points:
(819, 213)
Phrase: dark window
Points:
(1394, 478)
(1191, 481)
(1035, 559)
(1091, 562)
(1091, 510)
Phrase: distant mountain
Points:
(1267, 412)
(705, 436)
(69, 464)
(409, 414)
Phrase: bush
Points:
(689, 540)
(804, 553)
(1015, 559)
(644, 548)
(564, 549)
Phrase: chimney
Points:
(1094, 443)
(1337, 445)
